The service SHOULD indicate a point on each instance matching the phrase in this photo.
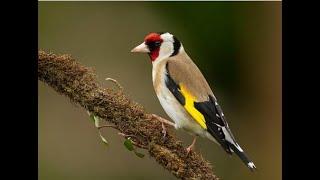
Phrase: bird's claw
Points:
(164, 131)
(188, 149)
(163, 121)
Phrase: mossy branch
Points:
(79, 83)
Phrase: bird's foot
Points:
(163, 121)
(164, 130)
(191, 147)
(154, 116)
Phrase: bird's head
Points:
(159, 46)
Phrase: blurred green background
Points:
(237, 46)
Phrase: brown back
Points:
(183, 71)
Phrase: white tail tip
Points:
(251, 165)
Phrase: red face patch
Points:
(153, 41)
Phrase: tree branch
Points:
(79, 83)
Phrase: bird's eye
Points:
(157, 43)
(153, 45)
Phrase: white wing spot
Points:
(238, 147)
(218, 125)
(227, 135)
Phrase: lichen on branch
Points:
(66, 76)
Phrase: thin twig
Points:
(104, 126)
(116, 82)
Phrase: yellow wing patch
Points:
(189, 106)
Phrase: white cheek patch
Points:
(166, 49)
(167, 37)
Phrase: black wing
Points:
(215, 122)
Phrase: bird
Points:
(185, 95)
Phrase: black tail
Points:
(243, 156)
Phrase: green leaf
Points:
(95, 119)
(140, 155)
(128, 144)
(92, 117)
(103, 140)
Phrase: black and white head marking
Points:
(170, 45)
(176, 46)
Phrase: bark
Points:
(69, 78)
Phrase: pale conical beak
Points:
(142, 48)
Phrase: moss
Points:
(79, 84)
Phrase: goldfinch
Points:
(185, 94)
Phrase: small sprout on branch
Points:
(94, 118)
(140, 155)
(116, 82)
(128, 144)
(103, 139)
(96, 121)
(91, 117)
